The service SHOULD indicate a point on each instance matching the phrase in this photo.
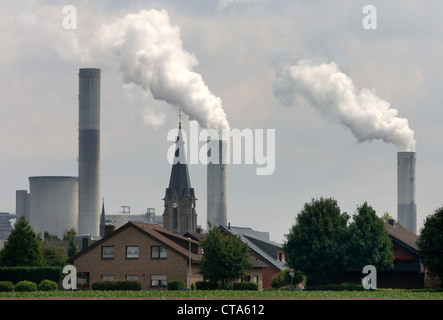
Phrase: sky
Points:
(342, 99)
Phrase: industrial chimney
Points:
(216, 183)
(89, 152)
(406, 205)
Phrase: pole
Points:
(189, 239)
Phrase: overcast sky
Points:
(240, 48)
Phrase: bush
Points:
(284, 279)
(206, 285)
(6, 286)
(252, 286)
(117, 285)
(25, 286)
(176, 285)
(47, 285)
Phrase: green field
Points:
(379, 294)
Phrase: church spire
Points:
(102, 219)
(179, 215)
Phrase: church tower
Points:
(179, 215)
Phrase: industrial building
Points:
(53, 204)
(22, 203)
(119, 219)
(406, 203)
(216, 183)
(89, 152)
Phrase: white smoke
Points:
(333, 94)
(149, 52)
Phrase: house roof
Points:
(403, 236)
(260, 244)
(177, 242)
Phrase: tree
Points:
(72, 249)
(54, 255)
(225, 257)
(316, 243)
(69, 234)
(368, 242)
(387, 218)
(22, 247)
(430, 243)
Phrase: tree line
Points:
(322, 244)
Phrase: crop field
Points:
(379, 294)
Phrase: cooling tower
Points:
(406, 205)
(216, 184)
(53, 204)
(89, 152)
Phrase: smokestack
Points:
(89, 152)
(406, 205)
(216, 183)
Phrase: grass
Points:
(379, 294)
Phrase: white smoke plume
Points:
(333, 94)
(149, 52)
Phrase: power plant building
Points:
(406, 203)
(22, 203)
(89, 152)
(216, 183)
(53, 204)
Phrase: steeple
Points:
(179, 180)
(102, 220)
(179, 215)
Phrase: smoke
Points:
(334, 95)
(149, 52)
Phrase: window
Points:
(108, 252)
(133, 277)
(158, 252)
(107, 277)
(159, 281)
(132, 252)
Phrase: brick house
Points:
(264, 252)
(138, 251)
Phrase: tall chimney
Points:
(216, 184)
(89, 152)
(406, 205)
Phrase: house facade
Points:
(137, 251)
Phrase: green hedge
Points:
(176, 285)
(205, 285)
(337, 287)
(117, 285)
(252, 286)
(33, 274)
